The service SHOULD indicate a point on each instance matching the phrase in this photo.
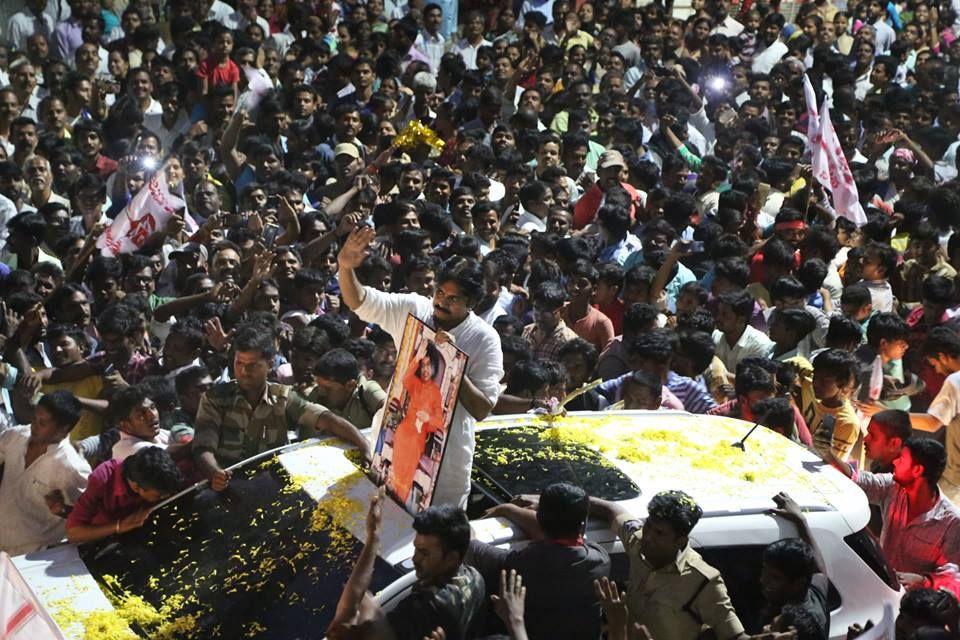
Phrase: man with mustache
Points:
(459, 288)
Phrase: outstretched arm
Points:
(348, 607)
(788, 509)
(351, 256)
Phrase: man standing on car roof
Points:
(673, 591)
(460, 287)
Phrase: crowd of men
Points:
(567, 190)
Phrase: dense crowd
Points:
(569, 192)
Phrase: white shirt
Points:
(885, 36)
(729, 27)
(468, 51)
(946, 408)
(529, 222)
(24, 24)
(751, 343)
(544, 7)
(480, 342)
(770, 56)
(154, 122)
(431, 46)
(881, 295)
(128, 444)
(239, 22)
(28, 524)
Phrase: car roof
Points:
(664, 450)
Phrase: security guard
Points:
(673, 591)
(343, 390)
(249, 415)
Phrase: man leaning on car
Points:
(673, 591)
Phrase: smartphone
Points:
(109, 369)
(696, 246)
(270, 233)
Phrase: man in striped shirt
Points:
(653, 352)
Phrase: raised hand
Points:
(509, 604)
(355, 249)
(614, 606)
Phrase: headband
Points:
(791, 224)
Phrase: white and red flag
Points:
(830, 167)
(146, 213)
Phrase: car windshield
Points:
(524, 459)
(262, 558)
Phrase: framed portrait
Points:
(412, 435)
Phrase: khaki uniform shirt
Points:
(229, 426)
(677, 601)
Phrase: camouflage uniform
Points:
(234, 430)
(452, 606)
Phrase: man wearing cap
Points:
(673, 591)
(189, 259)
(347, 165)
(609, 170)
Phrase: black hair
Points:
(787, 287)
(837, 364)
(776, 413)
(466, 274)
(153, 468)
(802, 621)
(753, 378)
(886, 326)
(895, 423)
(125, 401)
(923, 605)
(736, 271)
(63, 406)
(640, 315)
(579, 346)
(528, 376)
(792, 557)
(550, 295)
(189, 377)
(929, 454)
(653, 345)
(942, 340)
(120, 319)
(448, 523)
(508, 320)
(677, 509)
(339, 365)
(937, 289)
(252, 337)
(337, 331)
(856, 294)
(739, 301)
(886, 254)
(563, 510)
(799, 321)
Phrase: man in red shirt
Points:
(119, 495)
(609, 169)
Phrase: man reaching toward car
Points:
(673, 591)
(447, 594)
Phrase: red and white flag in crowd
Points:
(830, 167)
(146, 213)
(22, 617)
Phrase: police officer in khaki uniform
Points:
(343, 390)
(249, 415)
(673, 591)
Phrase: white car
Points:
(268, 557)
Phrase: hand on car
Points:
(220, 479)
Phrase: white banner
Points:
(146, 213)
(22, 617)
(830, 167)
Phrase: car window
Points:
(740, 568)
(865, 545)
(260, 557)
(516, 460)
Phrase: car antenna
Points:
(740, 444)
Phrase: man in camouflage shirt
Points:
(447, 594)
(249, 415)
(343, 389)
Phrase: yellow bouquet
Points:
(416, 133)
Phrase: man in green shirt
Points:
(249, 415)
(344, 391)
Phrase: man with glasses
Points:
(460, 287)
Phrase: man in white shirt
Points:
(459, 288)
(885, 33)
(734, 338)
(472, 40)
(31, 20)
(430, 42)
(138, 420)
(42, 473)
(246, 14)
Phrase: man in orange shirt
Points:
(578, 314)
